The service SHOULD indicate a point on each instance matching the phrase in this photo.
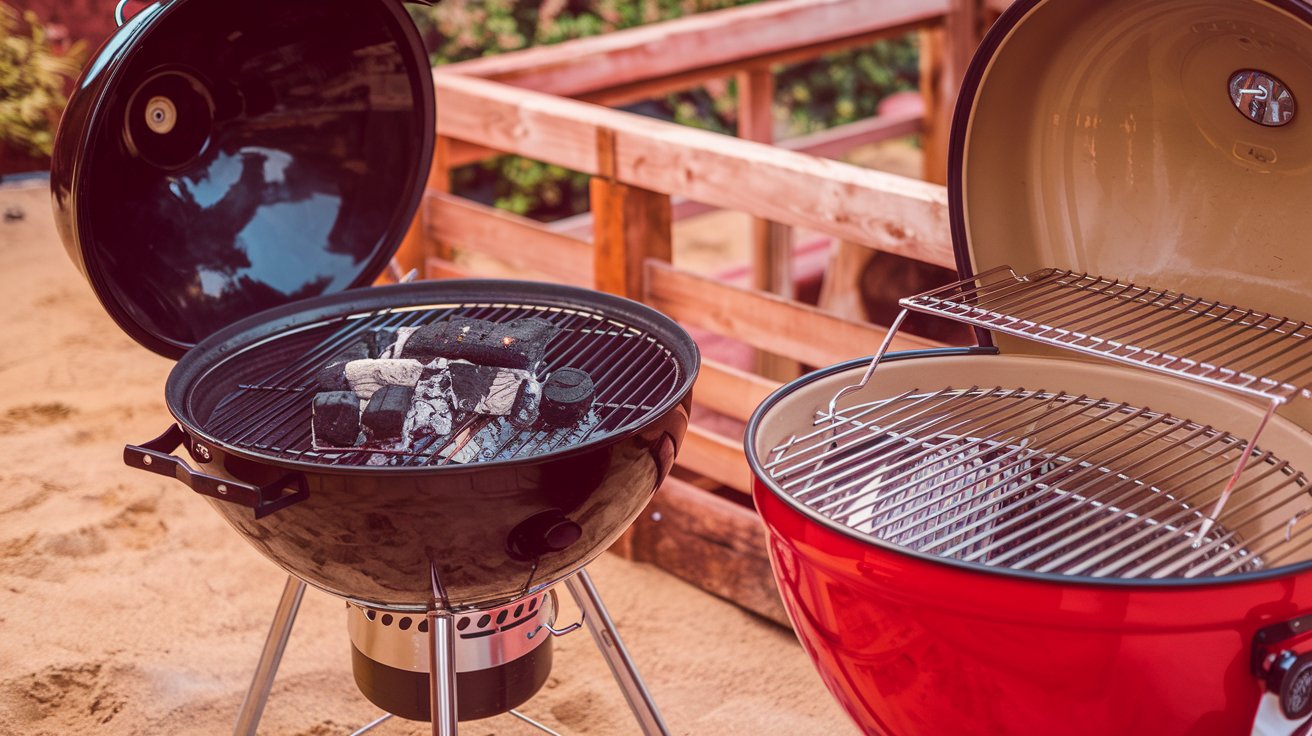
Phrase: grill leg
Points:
(621, 665)
(248, 720)
(442, 673)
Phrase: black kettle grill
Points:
(228, 176)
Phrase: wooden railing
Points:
(549, 104)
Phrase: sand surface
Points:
(127, 606)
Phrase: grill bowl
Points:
(370, 534)
(913, 643)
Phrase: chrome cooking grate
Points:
(632, 371)
(1259, 354)
(1046, 482)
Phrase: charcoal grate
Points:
(1047, 482)
(632, 371)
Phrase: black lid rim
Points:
(388, 242)
(177, 388)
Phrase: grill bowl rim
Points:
(200, 360)
(762, 480)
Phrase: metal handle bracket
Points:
(1269, 637)
(156, 457)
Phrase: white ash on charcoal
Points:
(368, 376)
(430, 413)
(519, 344)
(462, 448)
(394, 350)
(524, 412)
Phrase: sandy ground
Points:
(128, 607)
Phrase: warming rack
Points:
(1261, 355)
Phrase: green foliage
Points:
(32, 82)
(847, 86)
(833, 90)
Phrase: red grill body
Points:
(911, 646)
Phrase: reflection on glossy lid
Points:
(236, 156)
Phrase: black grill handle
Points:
(156, 457)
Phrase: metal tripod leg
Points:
(621, 666)
(442, 673)
(248, 720)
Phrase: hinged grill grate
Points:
(1046, 482)
(633, 374)
(1244, 350)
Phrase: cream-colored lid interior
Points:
(1103, 139)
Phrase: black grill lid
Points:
(221, 157)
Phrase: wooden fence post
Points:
(629, 225)
(416, 248)
(944, 55)
(771, 242)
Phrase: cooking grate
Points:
(1264, 355)
(1046, 482)
(632, 371)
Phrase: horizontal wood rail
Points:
(714, 543)
(767, 321)
(716, 457)
(461, 223)
(888, 212)
(723, 38)
(731, 391)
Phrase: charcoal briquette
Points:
(336, 419)
(332, 377)
(566, 396)
(443, 339)
(384, 417)
(379, 341)
(520, 344)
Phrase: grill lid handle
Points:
(156, 457)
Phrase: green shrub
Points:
(32, 82)
(836, 89)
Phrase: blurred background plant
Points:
(833, 90)
(34, 77)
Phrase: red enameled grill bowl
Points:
(1114, 138)
(914, 644)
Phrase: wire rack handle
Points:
(874, 363)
